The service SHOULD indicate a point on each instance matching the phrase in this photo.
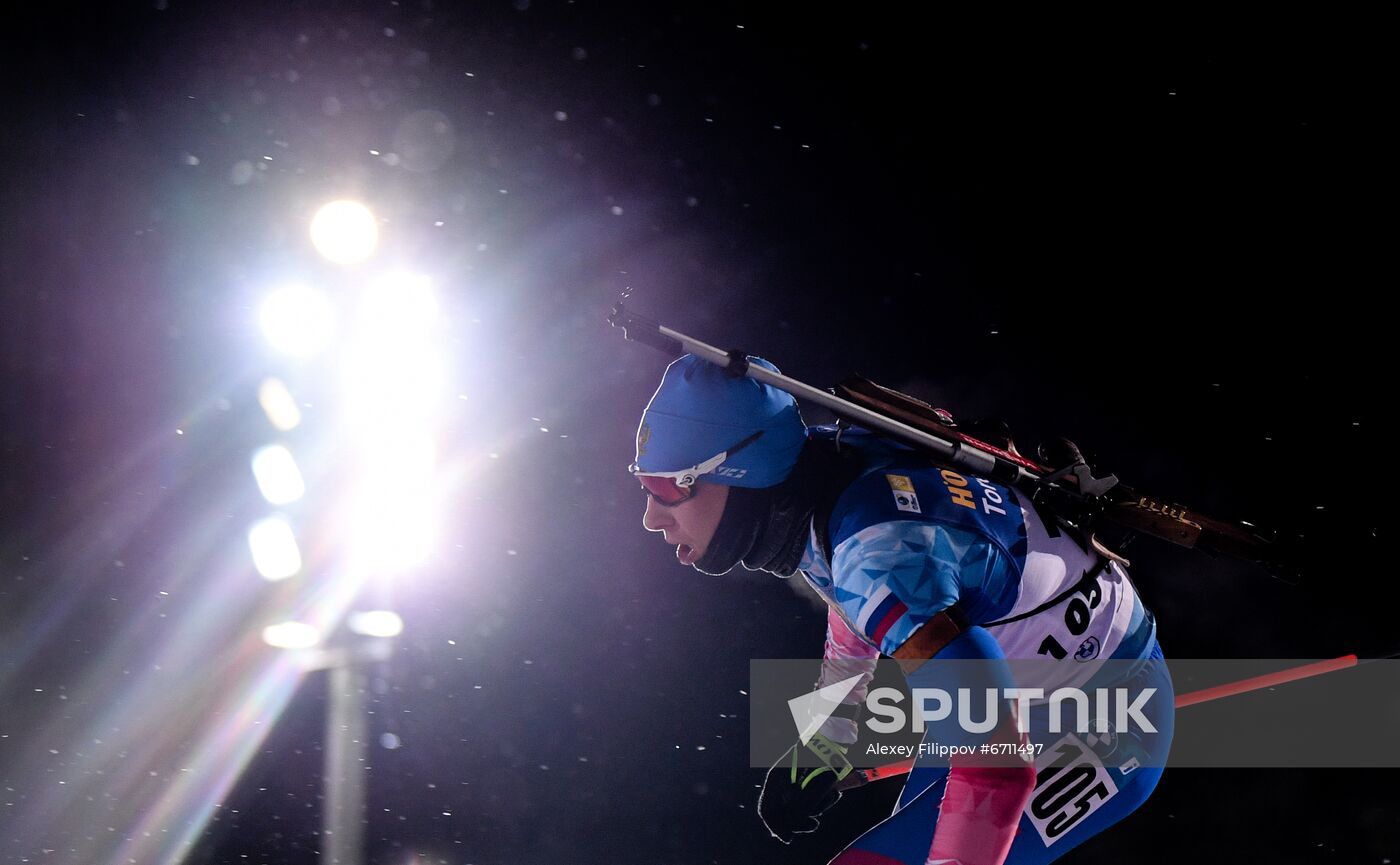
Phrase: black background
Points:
(1158, 235)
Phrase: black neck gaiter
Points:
(767, 529)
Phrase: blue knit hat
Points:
(700, 411)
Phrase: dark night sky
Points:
(1160, 237)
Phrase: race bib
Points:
(1071, 783)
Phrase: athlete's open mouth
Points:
(685, 554)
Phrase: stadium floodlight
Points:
(344, 232)
(275, 470)
(376, 623)
(274, 548)
(278, 404)
(297, 319)
(291, 635)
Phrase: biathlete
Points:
(915, 562)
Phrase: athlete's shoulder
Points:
(909, 491)
(882, 494)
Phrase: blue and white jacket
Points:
(909, 540)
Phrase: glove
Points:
(793, 796)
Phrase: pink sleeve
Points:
(982, 803)
(843, 643)
(846, 655)
(980, 813)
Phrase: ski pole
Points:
(861, 777)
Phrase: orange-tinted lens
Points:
(665, 490)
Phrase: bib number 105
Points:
(1071, 783)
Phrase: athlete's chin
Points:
(714, 573)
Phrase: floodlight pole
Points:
(345, 746)
(343, 819)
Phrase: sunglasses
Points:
(671, 488)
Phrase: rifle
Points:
(1070, 490)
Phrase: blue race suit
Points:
(909, 540)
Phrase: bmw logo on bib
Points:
(1088, 650)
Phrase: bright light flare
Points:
(397, 464)
(376, 623)
(401, 537)
(291, 635)
(344, 232)
(274, 548)
(396, 515)
(401, 305)
(394, 395)
(278, 477)
(395, 367)
(278, 404)
(297, 320)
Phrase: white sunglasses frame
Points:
(687, 477)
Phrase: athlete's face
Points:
(690, 525)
